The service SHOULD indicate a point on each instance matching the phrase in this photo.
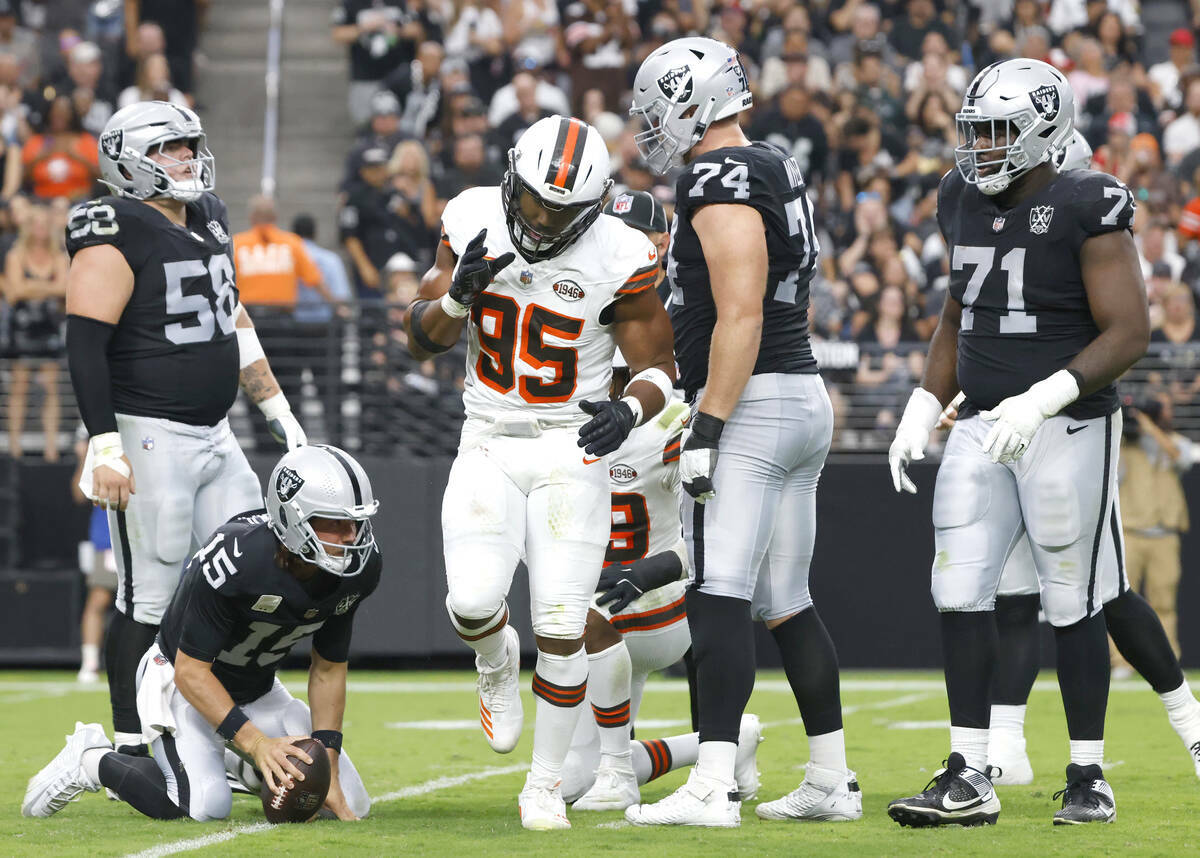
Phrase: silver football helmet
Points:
(318, 480)
(557, 180)
(133, 132)
(1076, 155)
(680, 90)
(1023, 111)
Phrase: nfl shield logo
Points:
(623, 204)
(147, 443)
(1039, 219)
(997, 224)
(526, 277)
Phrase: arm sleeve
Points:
(208, 620)
(87, 361)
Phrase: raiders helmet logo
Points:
(677, 84)
(1039, 219)
(568, 290)
(288, 484)
(1046, 101)
(112, 142)
(218, 231)
(623, 204)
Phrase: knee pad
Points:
(210, 801)
(962, 493)
(173, 528)
(1065, 605)
(296, 718)
(475, 605)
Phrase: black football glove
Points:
(474, 272)
(610, 425)
(698, 455)
(621, 584)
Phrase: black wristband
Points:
(331, 739)
(706, 427)
(87, 360)
(418, 333)
(657, 570)
(232, 723)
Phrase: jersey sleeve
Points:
(1102, 204)
(208, 619)
(464, 215)
(943, 199)
(635, 261)
(718, 177)
(104, 220)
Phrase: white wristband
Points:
(249, 348)
(274, 406)
(1055, 393)
(453, 309)
(659, 379)
(922, 411)
(635, 405)
(108, 451)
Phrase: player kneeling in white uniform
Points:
(540, 336)
(266, 580)
(638, 625)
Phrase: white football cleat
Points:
(63, 778)
(1008, 764)
(745, 766)
(542, 808)
(87, 677)
(615, 788)
(812, 801)
(701, 801)
(500, 712)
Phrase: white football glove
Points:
(282, 423)
(912, 435)
(1018, 417)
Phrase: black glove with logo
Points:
(698, 455)
(474, 272)
(610, 425)
(621, 584)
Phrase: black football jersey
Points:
(1016, 273)
(236, 608)
(174, 354)
(762, 176)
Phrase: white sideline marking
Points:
(649, 724)
(257, 827)
(850, 710)
(620, 823)
(918, 725)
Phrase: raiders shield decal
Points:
(677, 84)
(288, 484)
(112, 142)
(1045, 101)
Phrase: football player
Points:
(546, 288)
(157, 344)
(637, 624)
(743, 250)
(1046, 309)
(266, 580)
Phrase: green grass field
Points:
(441, 791)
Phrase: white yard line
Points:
(434, 785)
(850, 710)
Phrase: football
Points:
(299, 803)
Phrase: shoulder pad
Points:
(1099, 202)
(719, 177)
(467, 213)
(104, 220)
(629, 256)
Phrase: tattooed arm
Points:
(260, 385)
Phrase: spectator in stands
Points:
(1117, 44)
(83, 79)
(1166, 76)
(382, 133)
(419, 89)
(1114, 156)
(35, 287)
(860, 159)
(1089, 77)
(549, 97)
(524, 86)
(861, 24)
(63, 161)
(99, 568)
(1179, 317)
(381, 36)
(415, 202)
(20, 42)
(470, 168)
(1182, 135)
(1154, 247)
(790, 124)
(797, 60)
(367, 230)
(180, 23)
(876, 88)
(599, 35)
(147, 40)
(1120, 97)
(477, 38)
(531, 29)
(908, 33)
(153, 84)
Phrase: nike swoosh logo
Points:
(588, 461)
(236, 553)
(736, 163)
(950, 804)
(1071, 430)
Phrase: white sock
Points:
(560, 686)
(90, 762)
(828, 750)
(972, 743)
(653, 758)
(1008, 724)
(486, 639)
(610, 674)
(124, 740)
(89, 657)
(716, 761)
(1180, 703)
(1087, 752)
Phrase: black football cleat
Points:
(1087, 797)
(957, 795)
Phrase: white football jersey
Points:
(644, 476)
(535, 341)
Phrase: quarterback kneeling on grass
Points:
(208, 697)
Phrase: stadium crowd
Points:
(863, 94)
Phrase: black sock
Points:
(138, 781)
(1017, 659)
(968, 655)
(811, 664)
(723, 649)
(1083, 676)
(1139, 636)
(689, 662)
(124, 645)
